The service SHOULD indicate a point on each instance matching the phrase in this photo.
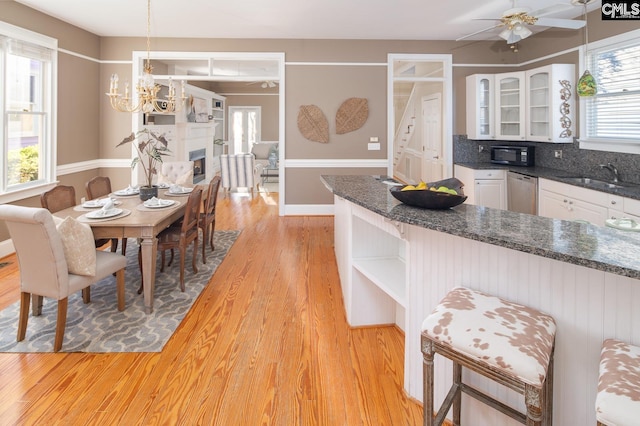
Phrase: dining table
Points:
(135, 220)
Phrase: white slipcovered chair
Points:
(240, 171)
(176, 172)
(56, 262)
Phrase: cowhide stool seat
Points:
(506, 342)
(618, 400)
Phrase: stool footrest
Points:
(492, 402)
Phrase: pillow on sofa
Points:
(79, 246)
(262, 150)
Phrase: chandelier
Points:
(147, 90)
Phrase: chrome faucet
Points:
(613, 170)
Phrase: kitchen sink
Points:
(595, 182)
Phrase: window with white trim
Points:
(610, 120)
(27, 69)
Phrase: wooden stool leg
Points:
(457, 400)
(548, 394)
(533, 401)
(427, 371)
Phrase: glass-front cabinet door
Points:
(551, 103)
(510, 102)
(480, 107)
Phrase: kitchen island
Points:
(396, 262)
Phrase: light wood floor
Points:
(266, 344)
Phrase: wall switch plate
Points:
(373, 139)
(557, 153)
(374, 146)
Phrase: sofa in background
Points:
(262, 150)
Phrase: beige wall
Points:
(88, 129)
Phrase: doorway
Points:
(244, 128)
(432, 142)
(420, 116)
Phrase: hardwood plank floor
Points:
(266, 343)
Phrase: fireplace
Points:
(199, 164)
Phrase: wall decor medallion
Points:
(351, 115)
(313, 124)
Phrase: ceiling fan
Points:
(516, 22)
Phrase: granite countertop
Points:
(592, 246)
(629, 190)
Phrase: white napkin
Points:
(175, 189)
(108, 206)
(153, 201)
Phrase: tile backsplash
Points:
(574, 160)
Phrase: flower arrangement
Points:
(151, 147)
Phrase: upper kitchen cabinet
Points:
(550, 103)
(536, 105)
(510, 106)
(480, 107)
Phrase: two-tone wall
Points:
(319, 72)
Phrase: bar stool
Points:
(507, 342)
(618, 399)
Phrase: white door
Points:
(244, 128)
(432, 140)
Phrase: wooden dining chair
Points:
(58, 198)
(100, 186)
(179, 237)
(207, 220)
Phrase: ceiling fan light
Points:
(513, 38)
(521, 30)
(505, 34)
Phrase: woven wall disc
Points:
(351, 115)
(313, 124)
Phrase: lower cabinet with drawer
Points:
(483, 187)
(569, 202)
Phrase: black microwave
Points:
(515, 155)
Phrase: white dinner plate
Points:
(161, 204)
(102, 214)
(94, 204)
(126, 192)
(181, 192)
(624, 224)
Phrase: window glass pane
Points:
(24, 84)
(613, 113)
(26, 132)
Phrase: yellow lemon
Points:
(408, 188)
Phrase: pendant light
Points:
(587, 85)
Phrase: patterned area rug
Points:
(100, 327)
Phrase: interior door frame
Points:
(138, 58)
(447, 102)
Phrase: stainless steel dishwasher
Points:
(522, 193)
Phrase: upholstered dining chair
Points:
(179, 237)
(207, 220)
(100, 186)
(176, 172)
(56, 262)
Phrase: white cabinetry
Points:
(510, 105)
(483, 187)
(569, 202)
(480, 107)
(372, 266)
(550, 105)
(536, 105)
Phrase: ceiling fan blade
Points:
(560, 23)
(551, 9)
(478, 32)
